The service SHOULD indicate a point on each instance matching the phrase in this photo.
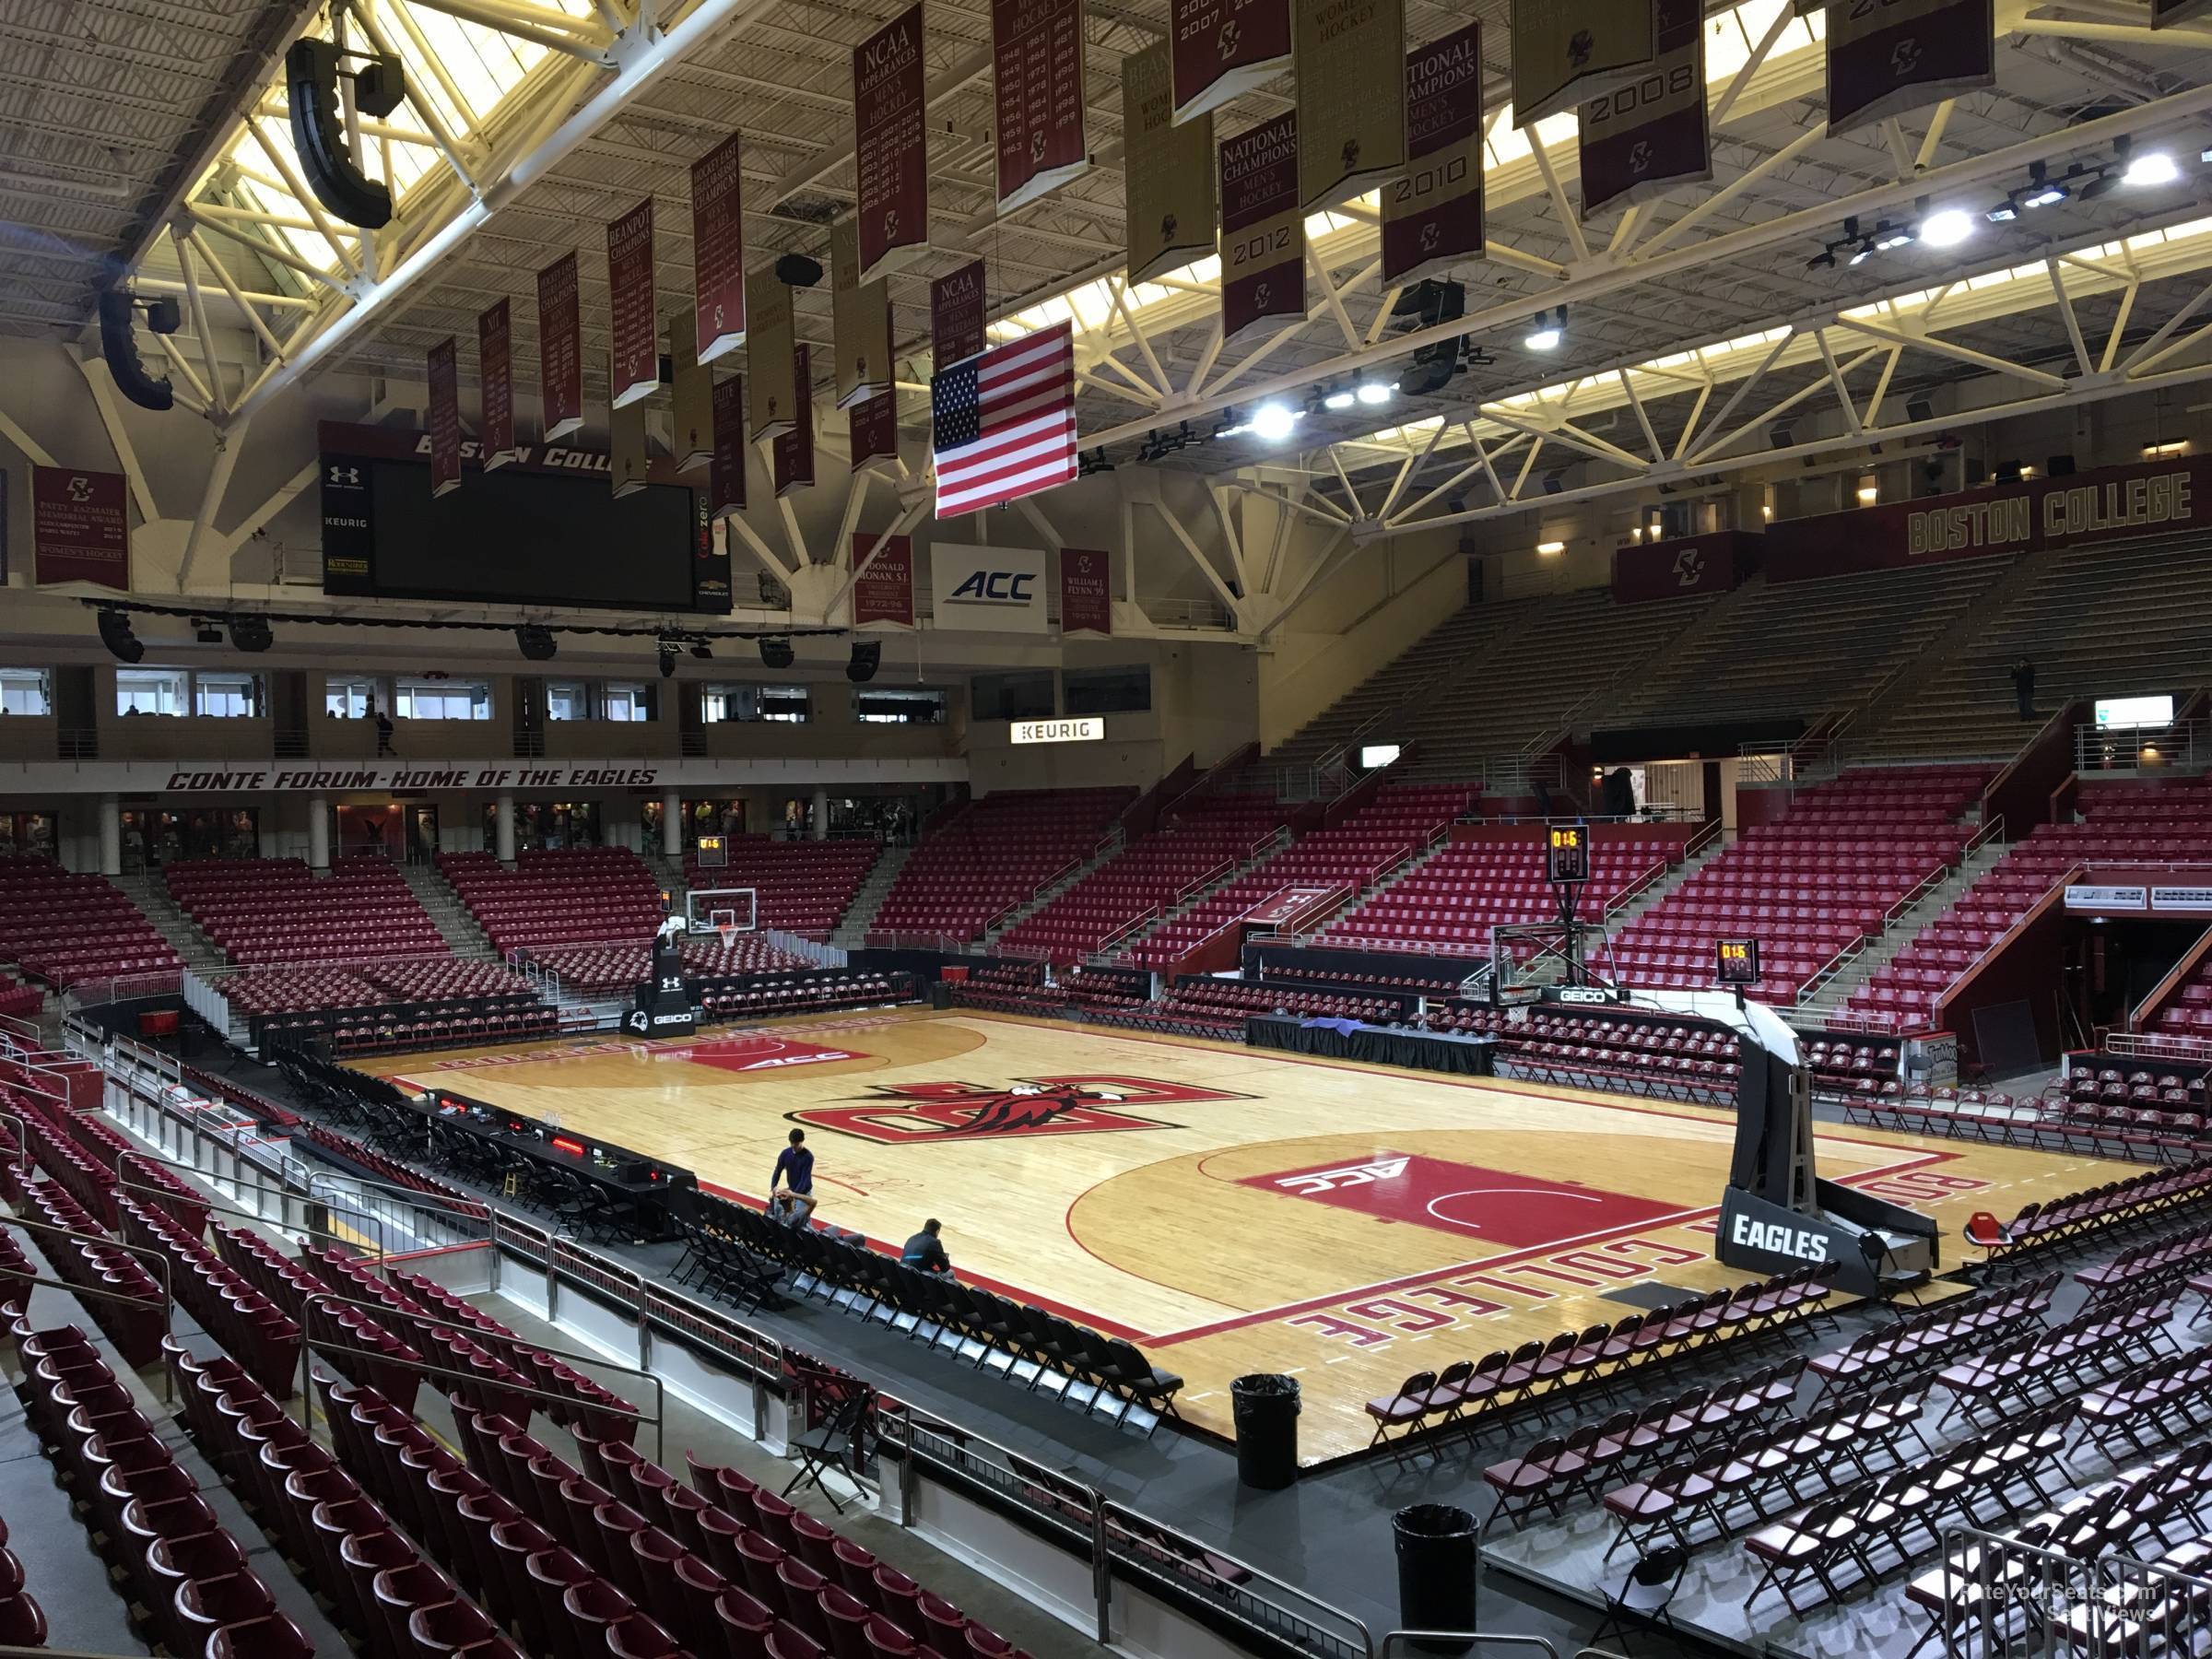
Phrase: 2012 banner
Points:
(1263, 232)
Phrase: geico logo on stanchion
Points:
(1801, 1242)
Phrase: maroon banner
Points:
(1885, 59)
(1037, 67)
(889, 145)
(2151, 497)
(955, 315)
(444, 418)
(1225, 48)
(2164, 13)
(718, 250)
(792, 451)
(80, 527)
(495, 370)
(559, 348)
(872, 431)
(1263, 232)
(1688, 564)
(884, 592)
(635, 370)
(1649, 133)
(1086, 592)
(725, 471)
(1432, 216)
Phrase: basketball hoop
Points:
(728, 930)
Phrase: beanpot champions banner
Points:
(634, 368)
(988, 590)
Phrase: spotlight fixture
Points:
(867, 655)
(775, 651)
(1946, 229)
(667, 657)
(116, 635)
(206, 632)
(1550, 547)
(1274, 422)
(537, 644)
(1372, 393)
(1547, 330)
(1338, 400)
(2040, 190)
(1888, 238)
(2149, 170)
(252, 633)
(1860, 255)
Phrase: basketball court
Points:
(1215, 1206)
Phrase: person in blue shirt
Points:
(794, 1164)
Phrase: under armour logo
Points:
(1580, 47)
(81, 488)
(1690, 568)
(1904, 57)
(344, 475)
(1640, 156)
(1225, 42)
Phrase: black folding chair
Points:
(834, 1445)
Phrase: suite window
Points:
(24, 691)
(1109, 690)
(227, 696)
(899, 708)
(1013, 697)
(568, 700)
(348, 696)
(625, 700)
(442, 699)
(151, 691)
(786, 705)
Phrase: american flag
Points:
(1003, 421)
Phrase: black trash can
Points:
(1266, 1415)
(1436, 1572)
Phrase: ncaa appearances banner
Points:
(987, 590)
(495, 369)
(1564, 53)
(80, 527)
(1888, 56)
(725, 472)
(872, 434)
(883, 595)
(635, 372)
(1167, 170)
(1086, 596)
(1037, 67)
(793, 452)
(769, 354)
(718, 250)
(891, 163)
(1690, 564)
(860, 320)
(1433, 214)
(444, 418)
(1262, 232)
(1649, 133)
(1351, 97)
(559, 348)
(1225, 48)
(955, 315)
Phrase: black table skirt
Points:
(1421, 1050)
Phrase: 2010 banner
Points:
(883, 593)
(1432, 213)
(635, 369)
(1650, 133)
(559, 348)
(890, 145)
(860, 320)
(1224, 49)
(444, 417)
(718, 250)
(1351, 97)
(1263, 232)
(1168, 170)
(495, 370)
(1884, 60)
(1037, 70)
(1563, 54)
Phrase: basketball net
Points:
(728, 930)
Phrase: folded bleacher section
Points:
(60, 928)
(991, 856)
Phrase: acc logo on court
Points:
(900, 1113)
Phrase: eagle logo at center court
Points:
(901, 1113)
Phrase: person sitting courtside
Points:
(793, 1164)
(927, 1250)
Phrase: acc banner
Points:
(637, 354)
(718, 251)
(691, 434)
(872, 433)
(444, 418)
(1225, 48)
(889, 160)
(1167, 170)
(768, 354)
(1351, 97)
(1086, 597)
(559, 348)
(1263, 232)
(883, 593)
(1885, 59)
(1036, 65)
(793, 453)
(955, 315)
(860, 320)
(1563, 54)
(725, 472)
(1433, 214)
(495, 369)
(988, 590)
(1650, 133)
(80, 527)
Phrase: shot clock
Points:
(1567, 853)
(1736, 961)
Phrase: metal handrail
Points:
(168, 1303)
(1466, 1639)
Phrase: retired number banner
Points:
(860, 320)
(1649, 133)
(636, 371)
(495, 370)
(793, 453)
(1351, 97)
(1037, 67)
(955, 315)
(1086, 596)
(445, 417)
(1888, 56)
(725, 472)
(890, 162)
(718, 250)
(1225, 48)
(1263, 232)
(1167, 170)
(691, 433)
(768, 354)
(883, 593)
(872, 433)
(559, 348)
(1433, 214)
(1566, 52)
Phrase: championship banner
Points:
(2166, 13)
(957, 308)
(1037, 67)
(793, 452)
(872, 433)
(1167, 170)
(1351, 97)
(1432, 215)
(1884, 60)
(725, 471)
(890, 162)
(495, 370)
(771, 333)
(883, 595)
(80, 527)
(559, 349)
(1262, 232)
(718, 250)
(691, 433)
(1639, 138)
(987, 590)
(1085, 594)
(860, 320)
(635, 370)
(626, 448)
(444, 418)
(1565, 54)
(1224, 49)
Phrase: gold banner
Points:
(1563, 54)
(692, 438)
(1168, 186)
(626, 442)
(1351, 97)
(769, 334)
(860, 320)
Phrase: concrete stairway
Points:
(1113, 844)
(1660, 890)
(852, 932)
(455, 926)
(1242, 869)
(150, 894)
(1382, 887)
(1901, 933)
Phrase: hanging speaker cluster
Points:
(311, 85)
(121, 352)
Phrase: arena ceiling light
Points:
(1946, 229)
(1547, 330)
(2151, 169)
(1372, 393)
(1274, 422)
(1340, 400)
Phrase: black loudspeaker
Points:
(867, 656)
(2058, 466)
(311, 85)
(121, 352)
(116, 635)
(1919, 408)
(940, 995)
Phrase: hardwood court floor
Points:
(1227, 1210)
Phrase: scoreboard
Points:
(1736, 961)
(1567, 852)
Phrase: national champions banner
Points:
(1262, 232)
(1650, 133)
(988, 590)
(1432, 213)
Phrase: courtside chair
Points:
(831, 1446)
